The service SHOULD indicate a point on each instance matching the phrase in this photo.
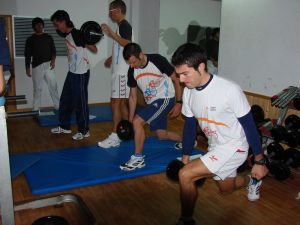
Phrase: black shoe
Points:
(186, 221)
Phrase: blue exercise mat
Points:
(97, 114)
(19, 163)
(64, 169)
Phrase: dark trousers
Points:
(74, 96)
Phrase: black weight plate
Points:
(292, 157)
(51, 220)
(278, 133)
(92, 32)
(292, 121)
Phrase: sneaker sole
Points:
(61, 132)
(134, 168)
(106, 147)
(253, 199)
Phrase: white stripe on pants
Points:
(40, 73)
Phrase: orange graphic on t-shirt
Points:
(147, 74)
(212, 121)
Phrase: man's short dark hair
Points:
(131, 49)
(62, 15)
(190, 54)
(119, 4)
(37, 20)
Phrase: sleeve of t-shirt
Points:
(125, 31)
(161, 63)
(131, 82)
(237, 101)
(186, 111)
(78, 38)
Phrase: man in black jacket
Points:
(40, 53)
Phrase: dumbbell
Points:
(289, 133)
(91, 32)
(173, 170)
(125, 130)
(275, 151)
(280, 169)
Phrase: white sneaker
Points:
(80, 136)
(112, 141)
(253, 189)
(133, 163)
(178, 145)
(59, 130)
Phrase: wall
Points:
(176, 15)
(259, 44)
(80, 11)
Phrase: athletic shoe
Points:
(253, 189)
(133, 163)
(112, 141)
(79, 136)
(186, 221)
(59, 130)
(178, 145)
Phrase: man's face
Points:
(188, 75)
(114, 13)
(60, 25)
(134, 62)
(38, 28)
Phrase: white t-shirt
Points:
(216, 108)
(77, 53)
(119, 65)
(154, 79)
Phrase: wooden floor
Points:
(149, 200)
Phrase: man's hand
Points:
(175, 111)
(108, 62)
(52, 65)
(259, 171)
(28, 72)
(106, 29)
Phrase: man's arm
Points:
(122, 41)
(248, 124)
(178, 94)
(132, 102)
(92, 48)
(188, 138)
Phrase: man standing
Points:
(154, 75)
(119, 88)
(40, 53)
(223, 113)
(74, 95)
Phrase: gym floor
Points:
(150, 200)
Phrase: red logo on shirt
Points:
(213, 158)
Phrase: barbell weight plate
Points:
(292, 137)
(257, 113)
(51, 220)
(292, 157)
(275, 151)
(91, 32)
(279, 170)
(292, 121)
(278, 133)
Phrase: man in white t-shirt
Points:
(74, 96)
(119, 88)
(223, 113)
